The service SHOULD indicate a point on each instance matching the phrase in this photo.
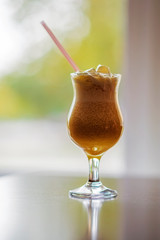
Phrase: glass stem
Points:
(93, 169)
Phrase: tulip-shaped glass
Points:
(95, 124)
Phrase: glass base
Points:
(93, 190)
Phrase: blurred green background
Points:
(39, 83)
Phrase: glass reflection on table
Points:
(93, 208)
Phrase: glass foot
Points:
(93, 190)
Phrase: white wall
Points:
(142, 88)
(44, 145)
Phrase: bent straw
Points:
(61, 48)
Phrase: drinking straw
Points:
(61, 48)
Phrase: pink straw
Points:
(61, 48)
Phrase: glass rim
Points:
(118, 75)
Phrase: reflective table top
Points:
(37, 207)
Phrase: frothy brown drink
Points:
(95, 121)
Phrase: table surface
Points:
(37, 207)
